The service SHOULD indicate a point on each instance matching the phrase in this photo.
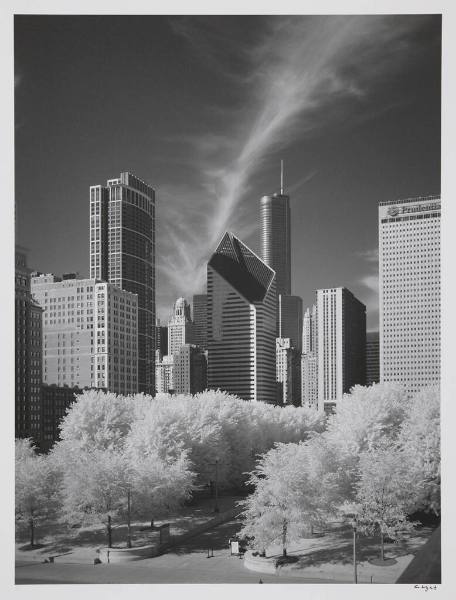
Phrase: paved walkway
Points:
(331, 556)
(187, 563)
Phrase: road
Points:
(187, 563)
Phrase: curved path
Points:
(187, 563)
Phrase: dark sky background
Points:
(203, 109)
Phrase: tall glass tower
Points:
(241, 312)
(276, 238)
(122, 252)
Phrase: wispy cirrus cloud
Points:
(291, 75)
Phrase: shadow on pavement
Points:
(215, 539)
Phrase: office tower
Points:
(200, 320)
(28, 353)
(164, 374)
(190, 370)
(309, 330)
(309, 359)
(409, 283)
(55, 401)
(180, 327)
(341, 345)
(241, 311)
(122, 252)
(290, 319)
(90, 333)
(372, 357)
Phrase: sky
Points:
(203, 108)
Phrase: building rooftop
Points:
(408, 200)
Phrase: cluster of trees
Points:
(378, 460)
(137, 456)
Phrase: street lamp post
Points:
(355, 526)
(216, 507)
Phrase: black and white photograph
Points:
(226, 234)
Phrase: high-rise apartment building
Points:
(90, 333)
(241, 313)
(409, 285)
(200, 320)
(190, 370)
(122, 252)
(372, 357)
(180, 327)
(28, 348)
(341, 345)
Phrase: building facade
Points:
(180, 327)
(200, 320)
(340, 343)
(241, 313)
(28, 353)
(290, 319)
(164, 374)
(409, 286)
(372, 357)
(284, 371)
(161, 338)
(90, 334)
(190, 370)
(55, 401)
(122, 252)
(309, 382)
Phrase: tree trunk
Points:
(109, 531)
(382, 550)
(284, 538)
(128, 519)
(32, 531)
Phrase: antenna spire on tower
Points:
(281, 177)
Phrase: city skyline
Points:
(363, 138)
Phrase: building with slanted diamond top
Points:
(241, 322)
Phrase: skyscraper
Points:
(341, 344)
(241, 324)
(309, 396)
(372, 357)
(309, 330)
(276, 237)
(200, 320)
(180, 327)
(409, 282)
(28, 363)
(90, 333)
(122, 252)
